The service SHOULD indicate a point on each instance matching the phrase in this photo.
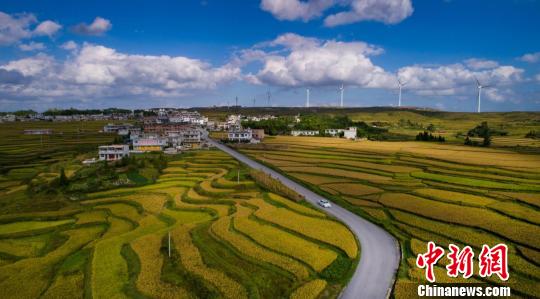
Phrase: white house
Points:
(113, 152)
(240, 135)
(350, 133)
(304, 132)
(333, 132)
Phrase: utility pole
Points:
(169, 244)
(236, 100)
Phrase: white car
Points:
(324, 203)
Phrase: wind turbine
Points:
(341, 88)
(400, 85)
(479, 86)
(307, 97)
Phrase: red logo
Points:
(460, 261)
(494, 261)
(429, 259)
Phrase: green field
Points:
(229, 239)
(424, 192)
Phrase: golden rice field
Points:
(424, 192)
(228, 239)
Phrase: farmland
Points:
(230, 238)
(420, 192)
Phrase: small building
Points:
(112, 128)
(257, 134)
(350, 133)
(333, 132)
(304, 132)
(240, 135)
(149, 144)
(113, 152)
(38, 132)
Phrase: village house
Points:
(304, 132)
(113, 152)
(349, 133)
(240, 135)
(114, 128)
(149, 144)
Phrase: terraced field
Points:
(32, 152)
(426, 192)
(229, 239)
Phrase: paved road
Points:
(380, 254)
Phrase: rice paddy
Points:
(421, 192)
(230, 238)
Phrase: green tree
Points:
(63, 180)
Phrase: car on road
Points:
(324, 203)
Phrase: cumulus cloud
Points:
(305, 61)
(16, 27)
(479, 64)
(531, 57)
(455, 79)
(69, 45)
(31, 46)
(98, 27)
(97, 71)
(293, 61)
(349, 11)
(295, 9)
(385, 11)
(48, 28)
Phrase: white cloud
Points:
(310, 62)
(531, 57)
(69, 45)
(32, 46)
(15, 27)
(97, 27)
(40, 64)
(349, 11)
(295, 9)
(48, 28)
(458, 79)
(385, 11)
(479, 64)
(97, 71)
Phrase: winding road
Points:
(380, 253)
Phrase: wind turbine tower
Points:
(268, 96)
(307, 97)
(341, 88)
(480, 86)
(400, 85)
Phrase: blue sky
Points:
(198, 53)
